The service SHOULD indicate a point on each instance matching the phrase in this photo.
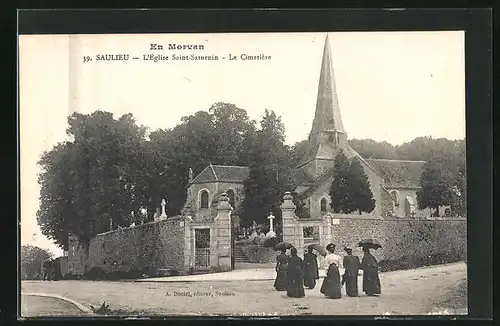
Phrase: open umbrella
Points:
(283, 245)
(370, 243)
(319, 248)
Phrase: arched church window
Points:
(204, 199)
(323, 204)
(395, 202)
(231, 196)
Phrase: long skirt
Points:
(295, 287)
(331, 284)
(371, 282)
(309, 282)
(351, 286)
(280, 282)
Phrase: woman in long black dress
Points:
(295, 276)
(371, 281)
(281, 267)
(311, 273)
(351, 265)
(331, 284)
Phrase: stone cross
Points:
(163, 204)
(271, 218)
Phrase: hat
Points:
(347, 249)
(330, 246)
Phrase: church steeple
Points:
(327, 134)
(327, 116)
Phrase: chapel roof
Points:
(398, 173)
(222, 173)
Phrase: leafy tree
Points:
(436, 184)
(233, 134)
(270, 172)
(443, 178)
(92, 180)
(32, 258)
(298, 151)
(339, 191)
(223, 135)
(56, 215)
(360, 194)
(369, 148)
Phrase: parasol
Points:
(319, 248)
(283, 245)
(370, 243)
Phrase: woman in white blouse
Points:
(331, 284)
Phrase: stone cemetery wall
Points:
(402, 239)
(145, 248)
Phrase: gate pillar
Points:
(291, 232)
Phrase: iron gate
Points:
(202, 249)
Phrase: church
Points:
(394, 183)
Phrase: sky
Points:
(392, 86)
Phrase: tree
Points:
(436, 184)
(92, 180)
(270, 172)
(221, 136)
(32, 258)
(443, 178)
(339, 191)
(298, 151)
(361, 196)
(233, 133)
(369, 148)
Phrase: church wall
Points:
(386, 204)
(315, 199)
(419, 213)
(323, 191)
(375, 182)
(152, 246)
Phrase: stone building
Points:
(394, 183)
(205, 189)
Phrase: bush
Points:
(259, 254)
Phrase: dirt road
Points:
(36, 306)
(419, 291)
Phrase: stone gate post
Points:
(223, 232)
(289, 220)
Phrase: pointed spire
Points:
(327, 116)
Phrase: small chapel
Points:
(394, 183)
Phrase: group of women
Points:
(293, 273)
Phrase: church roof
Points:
(398, 173)
(318, 183)
(301, 177)
(222, 173)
